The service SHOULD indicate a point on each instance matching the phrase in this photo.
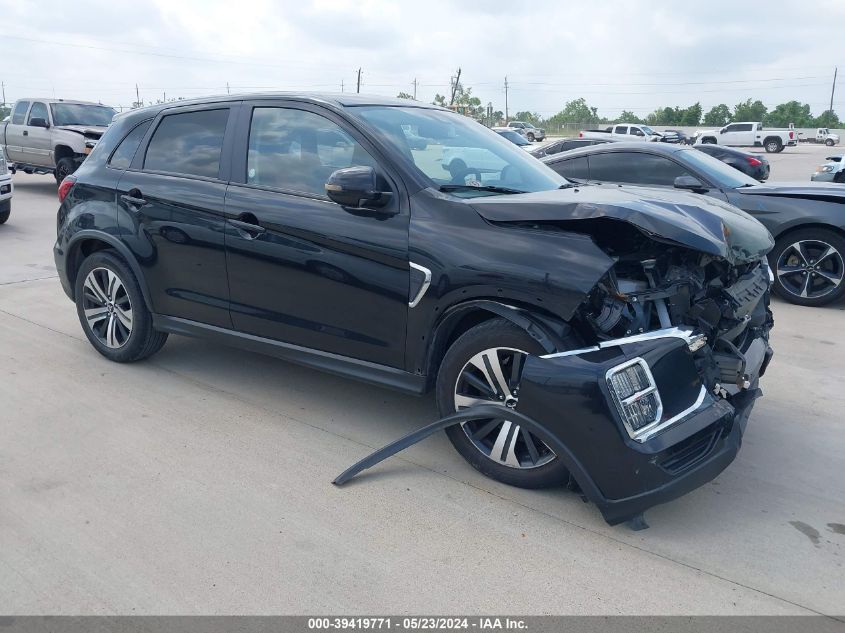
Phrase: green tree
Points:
(828, 118)
(629, 117)
(750, 111)
(529, 117)
(576, 111)
(404, 95)
(718, 115)
(4, 112)
(691, 115)
(440, 100)
(790, 112)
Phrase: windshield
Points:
(514, 137)
(460, 151)
(720, 174)
(647, 130)
(81, 114)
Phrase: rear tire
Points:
(538, 466)
(112, 310)
(773, 145)
(4, 215)
(708, 141)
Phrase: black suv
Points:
(628, 326)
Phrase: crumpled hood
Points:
(94, 131)
(696, 221)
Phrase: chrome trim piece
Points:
(426, 283)
(686, 334)
(649, 432)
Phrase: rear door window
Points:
(188, 143)
(125, 152)
(19, 115)
(621, 129)
(635, 168)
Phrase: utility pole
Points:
(137, 96)
(227, 87)
(341, 85)
(4, 91)
(415, 90)
(832, 90)
(455, 87)
(506, 99)
(359, 81)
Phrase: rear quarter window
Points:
(576, 168)
(20, 112)
(188, 143)
(125, 152)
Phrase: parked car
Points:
(528, 130)
(623, 132)
(53, 135)
(562, 145)
(513, 136)
(6, 190)
(832, 171)
(748, 134)
(823, 135)
(628, 328)
(415, 141)
(806, 219)
(676, 136)
(754, 165)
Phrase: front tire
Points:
(4, 215)
(484, 365)
(530, 137)
(112, 310)
(829, 142)
(809, 266)
(64, 168)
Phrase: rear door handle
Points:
(252, 230)
(133, 200)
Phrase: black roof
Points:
(334, 100)
(662, 149)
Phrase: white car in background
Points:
(832, 171)
(6, 189)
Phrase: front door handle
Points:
(26, 132)
(252, 230)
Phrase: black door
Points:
(171, 213)
(301, 268)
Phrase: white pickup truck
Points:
(622, 132)
(748, 134)
(52, 135)
(823, 135)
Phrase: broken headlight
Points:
(636, 396)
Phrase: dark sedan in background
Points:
(563, 145)
(754, 165)
(807, 220)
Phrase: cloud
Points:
(617, 54)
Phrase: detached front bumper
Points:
(622, 469)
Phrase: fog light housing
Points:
(635, 394)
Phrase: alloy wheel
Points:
(107, 308)
(810, 269)
(492, 377)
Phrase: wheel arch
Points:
(809, 225)
(86, 243)
(63, 151)
(547, 330)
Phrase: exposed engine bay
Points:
(655, 286)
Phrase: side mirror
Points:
(38, 122)
(723, 130)
(690, 184)
(357, 188)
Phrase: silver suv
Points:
(528, 131)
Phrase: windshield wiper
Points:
(490, 188)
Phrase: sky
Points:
(619, 55)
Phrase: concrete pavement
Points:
(199, 482)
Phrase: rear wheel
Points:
(809, 267)
(840, 177)
(5, 212)
(708, 141)
(485, 366)
(112, 311)
(773, 145)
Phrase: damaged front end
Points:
(658, 404)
